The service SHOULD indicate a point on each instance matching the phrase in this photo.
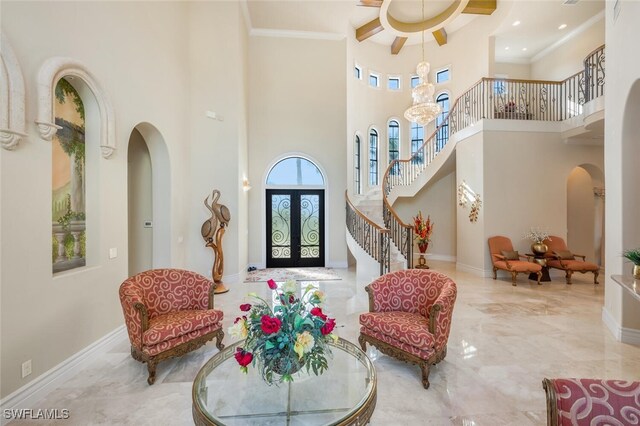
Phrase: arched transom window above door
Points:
(295, 171)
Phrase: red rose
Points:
(243, 357)
(245, 307)
(272, 284)
(328, 326)
(240, 318)
(318, 313)
(270, 324)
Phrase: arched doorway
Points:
(295, 193)
(585, 212)
(149, 198)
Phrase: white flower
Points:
(239, 329)
(319, 294)
(304, 344)
(289, 286)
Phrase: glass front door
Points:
(295, 228)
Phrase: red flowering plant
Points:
(281, 340)
(422, 230)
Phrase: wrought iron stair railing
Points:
(370, 236)
(492, 98)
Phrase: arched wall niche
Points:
(50, 73)
(12, 97)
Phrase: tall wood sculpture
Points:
(212, 231)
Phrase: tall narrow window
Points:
(394, 143)
(374, 80)
(415, 80)
(68, 241)
(356, 166)
(357, 72)
(373, 158)
(443, 132)
(443, 75)
(394, 83)
(417, 138)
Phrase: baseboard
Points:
(473, 270)
(630, 336)
(442, 257)
(339, 264)
(233, 278)
(36, 390)
(611, 323)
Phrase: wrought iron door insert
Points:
(295, 228)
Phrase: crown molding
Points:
(576, 32)
(309, 35)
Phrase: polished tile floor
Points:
(503, 341)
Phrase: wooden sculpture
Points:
(212, 231)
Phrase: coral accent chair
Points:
(559, 257)
(497, 246)
(409, 317)
(591, 401)
(169, 312)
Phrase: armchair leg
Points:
(539, 277)
(495, 273)
(151, 367)
(514, 274)
(219, 338)
(424, 366)
(595, 277)
(363, 343)
(568, 276)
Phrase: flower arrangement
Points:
(537, 235)
(286, 338)
(510, 107)
(422, 229)
(632, 255)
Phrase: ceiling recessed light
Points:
(516, 23)
(524, 49)
(562, 27)
(506, 48)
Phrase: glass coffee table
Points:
(345, 394)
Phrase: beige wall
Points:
(140, 204)
(581, 213)
(567, 59)
(297, 104)
(513, 71)
(437, 199)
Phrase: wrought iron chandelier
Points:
(424, 109)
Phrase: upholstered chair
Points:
(409, 317)
(169, 312)
(559, 257)
(591, 402)
(505, 258)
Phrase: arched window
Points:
(356, 166)
(373, 157)
(295, 171)
(417, 139)
(443, 133)
(394, 143)
(69, 239)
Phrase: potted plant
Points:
(634, 257)
(539, 248)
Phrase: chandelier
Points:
(424, 109)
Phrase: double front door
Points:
(295, 228)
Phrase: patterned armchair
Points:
(168, 312)
(504, 257)
(592, 401)
(409, 317)
(559, 257)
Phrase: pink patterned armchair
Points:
(169, 312)
(409, 317)
(586, 402)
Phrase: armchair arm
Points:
(580, 255)
(497, 257)
(211, 295)
(135, 313)
(440, 315)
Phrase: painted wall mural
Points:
(69, 239)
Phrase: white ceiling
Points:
(538, 29)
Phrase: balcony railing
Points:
(370, 236)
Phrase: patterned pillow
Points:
(510, 254)
(564, 254)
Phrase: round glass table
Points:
(345, 394)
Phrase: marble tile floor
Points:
(504, 341)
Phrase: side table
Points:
(422, 262)
(542, 261)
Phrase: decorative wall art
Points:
(69, 239)
(467, 196)
(212, 231)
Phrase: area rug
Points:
(299, 274)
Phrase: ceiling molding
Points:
(576, 32)
(369, 29)
(397, 45)
(309, 35)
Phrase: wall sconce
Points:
(245, 185)
(466, 195)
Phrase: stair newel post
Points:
(410, 247)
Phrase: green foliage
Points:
(633, 255)
(65, 220)
(68, 243)
(83, 244)
(54, 248)
(63, 90)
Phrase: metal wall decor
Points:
(212, 231)
(467, 196)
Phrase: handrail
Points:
(373, 238)
(493, 98)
